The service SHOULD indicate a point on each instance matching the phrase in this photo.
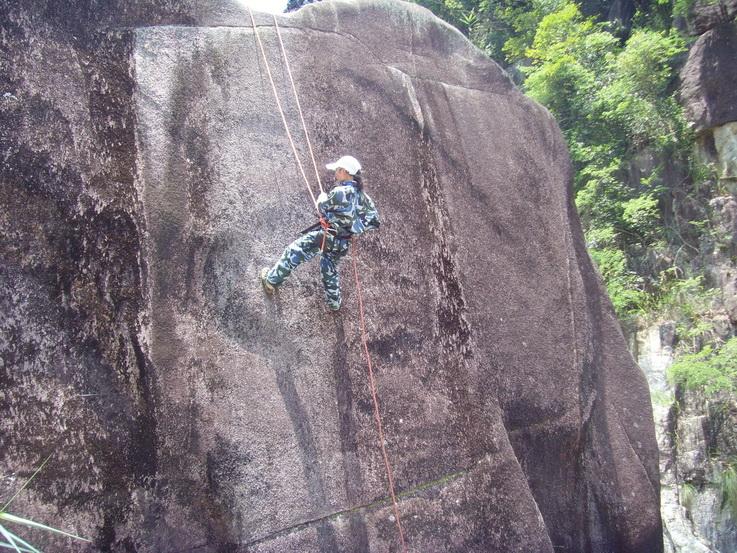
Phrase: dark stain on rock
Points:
(224, 465)
(189, 160)
(73, 257)
(219, 70)
(454, 331)
(144, 440)
(391, 347)
(352, 472)
(308, 446)
(112, 126)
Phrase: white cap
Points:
(349, 163)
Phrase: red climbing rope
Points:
(325, 229)
(364, 341)
(374, 396)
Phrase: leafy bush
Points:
(728, 487)
(636, 99)
(687, 496)
(624, 286)
(612, 102)
(710, 370)
(689, 303)
(642, 215)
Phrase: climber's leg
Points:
(302, 249)
(329, 270)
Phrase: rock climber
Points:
(345, 211)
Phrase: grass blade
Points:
(34, 524)
(14, 548)
(8, 536)
(27, 547)
(5, 507)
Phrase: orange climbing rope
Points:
(296, 98)
(362, 321)
(281, 111)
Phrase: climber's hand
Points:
(322, 198)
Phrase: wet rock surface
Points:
(697, 443)
(706, 444)
(146, 179)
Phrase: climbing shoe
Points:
(268, 287)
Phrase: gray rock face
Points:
(707, 90)
(146, 178)
(707, 14)
(724, 251)
(725, 145)
(704, 431)
(682, 458)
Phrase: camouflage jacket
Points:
(349, 209)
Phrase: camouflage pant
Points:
(305, 248)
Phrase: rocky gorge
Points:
(145, 180)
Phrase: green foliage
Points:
(562, 85)
(608, 99)
(687, 496)
(612, 90)
(522, 20)
(612, 101)
(688, 302)
(682, 8)
(635, 98)
(728, 487)
(624, 286)
(708, 370)
(642, 215)
(559, 33)
(645, 62)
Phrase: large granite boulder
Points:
(146, 178)
(707, 79)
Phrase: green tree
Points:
(611, 88)
(614, 102)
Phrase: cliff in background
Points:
(145, 180)
(710, 99)
(696, 428)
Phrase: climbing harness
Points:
(326, 229)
